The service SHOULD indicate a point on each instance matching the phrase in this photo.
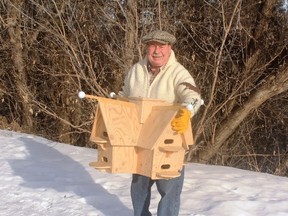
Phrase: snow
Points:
(43, 177)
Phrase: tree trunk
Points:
(131, 33)
(20, 77)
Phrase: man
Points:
(160, 76)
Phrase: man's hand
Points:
(181, 121)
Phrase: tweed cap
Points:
(159, 36)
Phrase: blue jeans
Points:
(170, 191)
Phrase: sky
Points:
(40, 177)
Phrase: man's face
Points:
(158, 54)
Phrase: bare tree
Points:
(247, 69)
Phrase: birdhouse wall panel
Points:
(105, 156)
(104, 160)
(121, 123)
(99, 129)
(124, 160)
(167, 162)
(169, 137)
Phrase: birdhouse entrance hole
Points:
(165, 166)
(169, 141)
(105, 159)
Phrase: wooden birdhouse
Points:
(135, 136)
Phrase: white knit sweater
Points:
(173, 84)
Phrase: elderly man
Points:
(160, 76)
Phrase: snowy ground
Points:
(39, 177)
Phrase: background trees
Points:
(236, 50)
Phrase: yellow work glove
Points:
(181, 121)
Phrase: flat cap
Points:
(159, 36)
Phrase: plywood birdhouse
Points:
(135, 136)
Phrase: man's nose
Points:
(157, 48)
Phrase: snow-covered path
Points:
(40, 177)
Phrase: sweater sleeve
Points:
(125, 92)
(187, 90)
